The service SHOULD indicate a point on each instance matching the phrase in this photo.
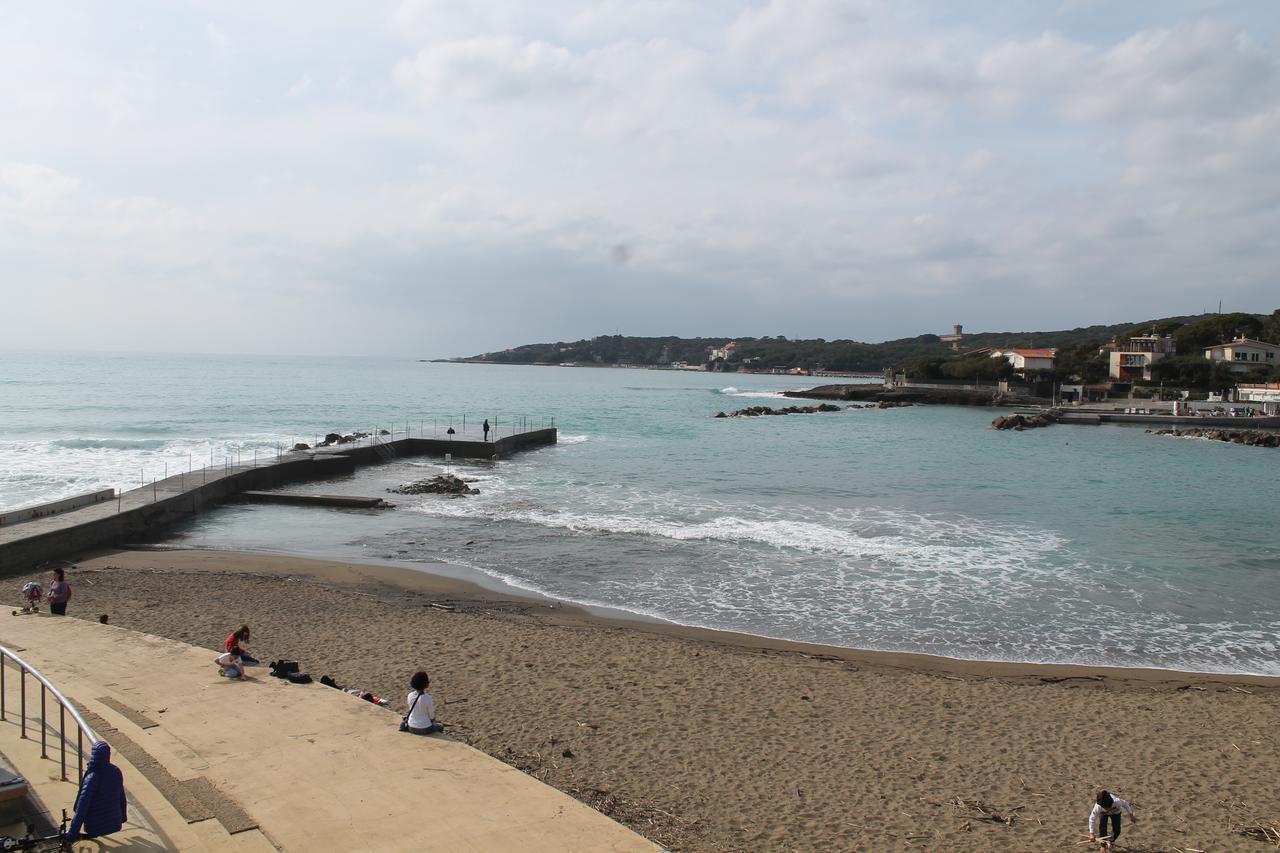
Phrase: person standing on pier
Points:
(59, 593)
(486, 429)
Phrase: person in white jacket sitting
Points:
(1107, 808)
(421, 719)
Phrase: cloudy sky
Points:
(442, 178)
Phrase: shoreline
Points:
(463, 584)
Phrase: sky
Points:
(434, 179)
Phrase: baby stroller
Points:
(32, 595)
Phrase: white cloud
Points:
(34, 183)
(795, 159)
(492, 69)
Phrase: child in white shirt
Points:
(1107, 808)
(229, 664)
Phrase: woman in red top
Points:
(234, 644)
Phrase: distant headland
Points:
(1080, 351)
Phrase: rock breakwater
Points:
(1250, 437)
(757, 411)
(441, 484)
(1021, 422)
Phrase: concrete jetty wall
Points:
(143, 512)
(54, 507)
(1098, 416)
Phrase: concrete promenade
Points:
(1111, 416)
(139, 513)
(247, 765)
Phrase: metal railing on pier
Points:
(65, 708)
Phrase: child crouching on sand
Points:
(1107, 808)
(229, 664)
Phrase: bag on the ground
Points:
(404, 722)
(298, 678)
(282, 668)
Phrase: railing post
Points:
(62, 736)
(2, 706)
(80, 752)
(23, 693)
(44, 749)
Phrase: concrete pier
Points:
(142, 512)
(1100, 416)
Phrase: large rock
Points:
(757, 411)
(1023, 422)
(441, 484)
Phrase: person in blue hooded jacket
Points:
(100, 805)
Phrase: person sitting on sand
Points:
(421, 719)
(1108, 808)
(229, 664)
(236, 643)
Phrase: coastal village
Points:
(1220, 365)
(1132, 362)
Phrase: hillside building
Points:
(1243, 354)
(956, 336)
(723, 353)
(1027, 358)
(1130, 359)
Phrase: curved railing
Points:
(83, 729)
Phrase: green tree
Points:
(977, 367)
(1270, 331)
(1215, 329)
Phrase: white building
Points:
(1267, 392)
(723, 353)
(1026, 358)
(1131, 359)
(1244, 354)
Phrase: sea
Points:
(915, 529)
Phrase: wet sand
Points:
(705, 740)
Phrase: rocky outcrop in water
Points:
(1021, 422)
(337, 438)
(441, 484)
(757, 411)
(1250, 437)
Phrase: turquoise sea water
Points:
(913, 529)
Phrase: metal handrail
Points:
(64, 706)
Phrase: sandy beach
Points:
(703, 740)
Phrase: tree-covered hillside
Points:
(1190, 333)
